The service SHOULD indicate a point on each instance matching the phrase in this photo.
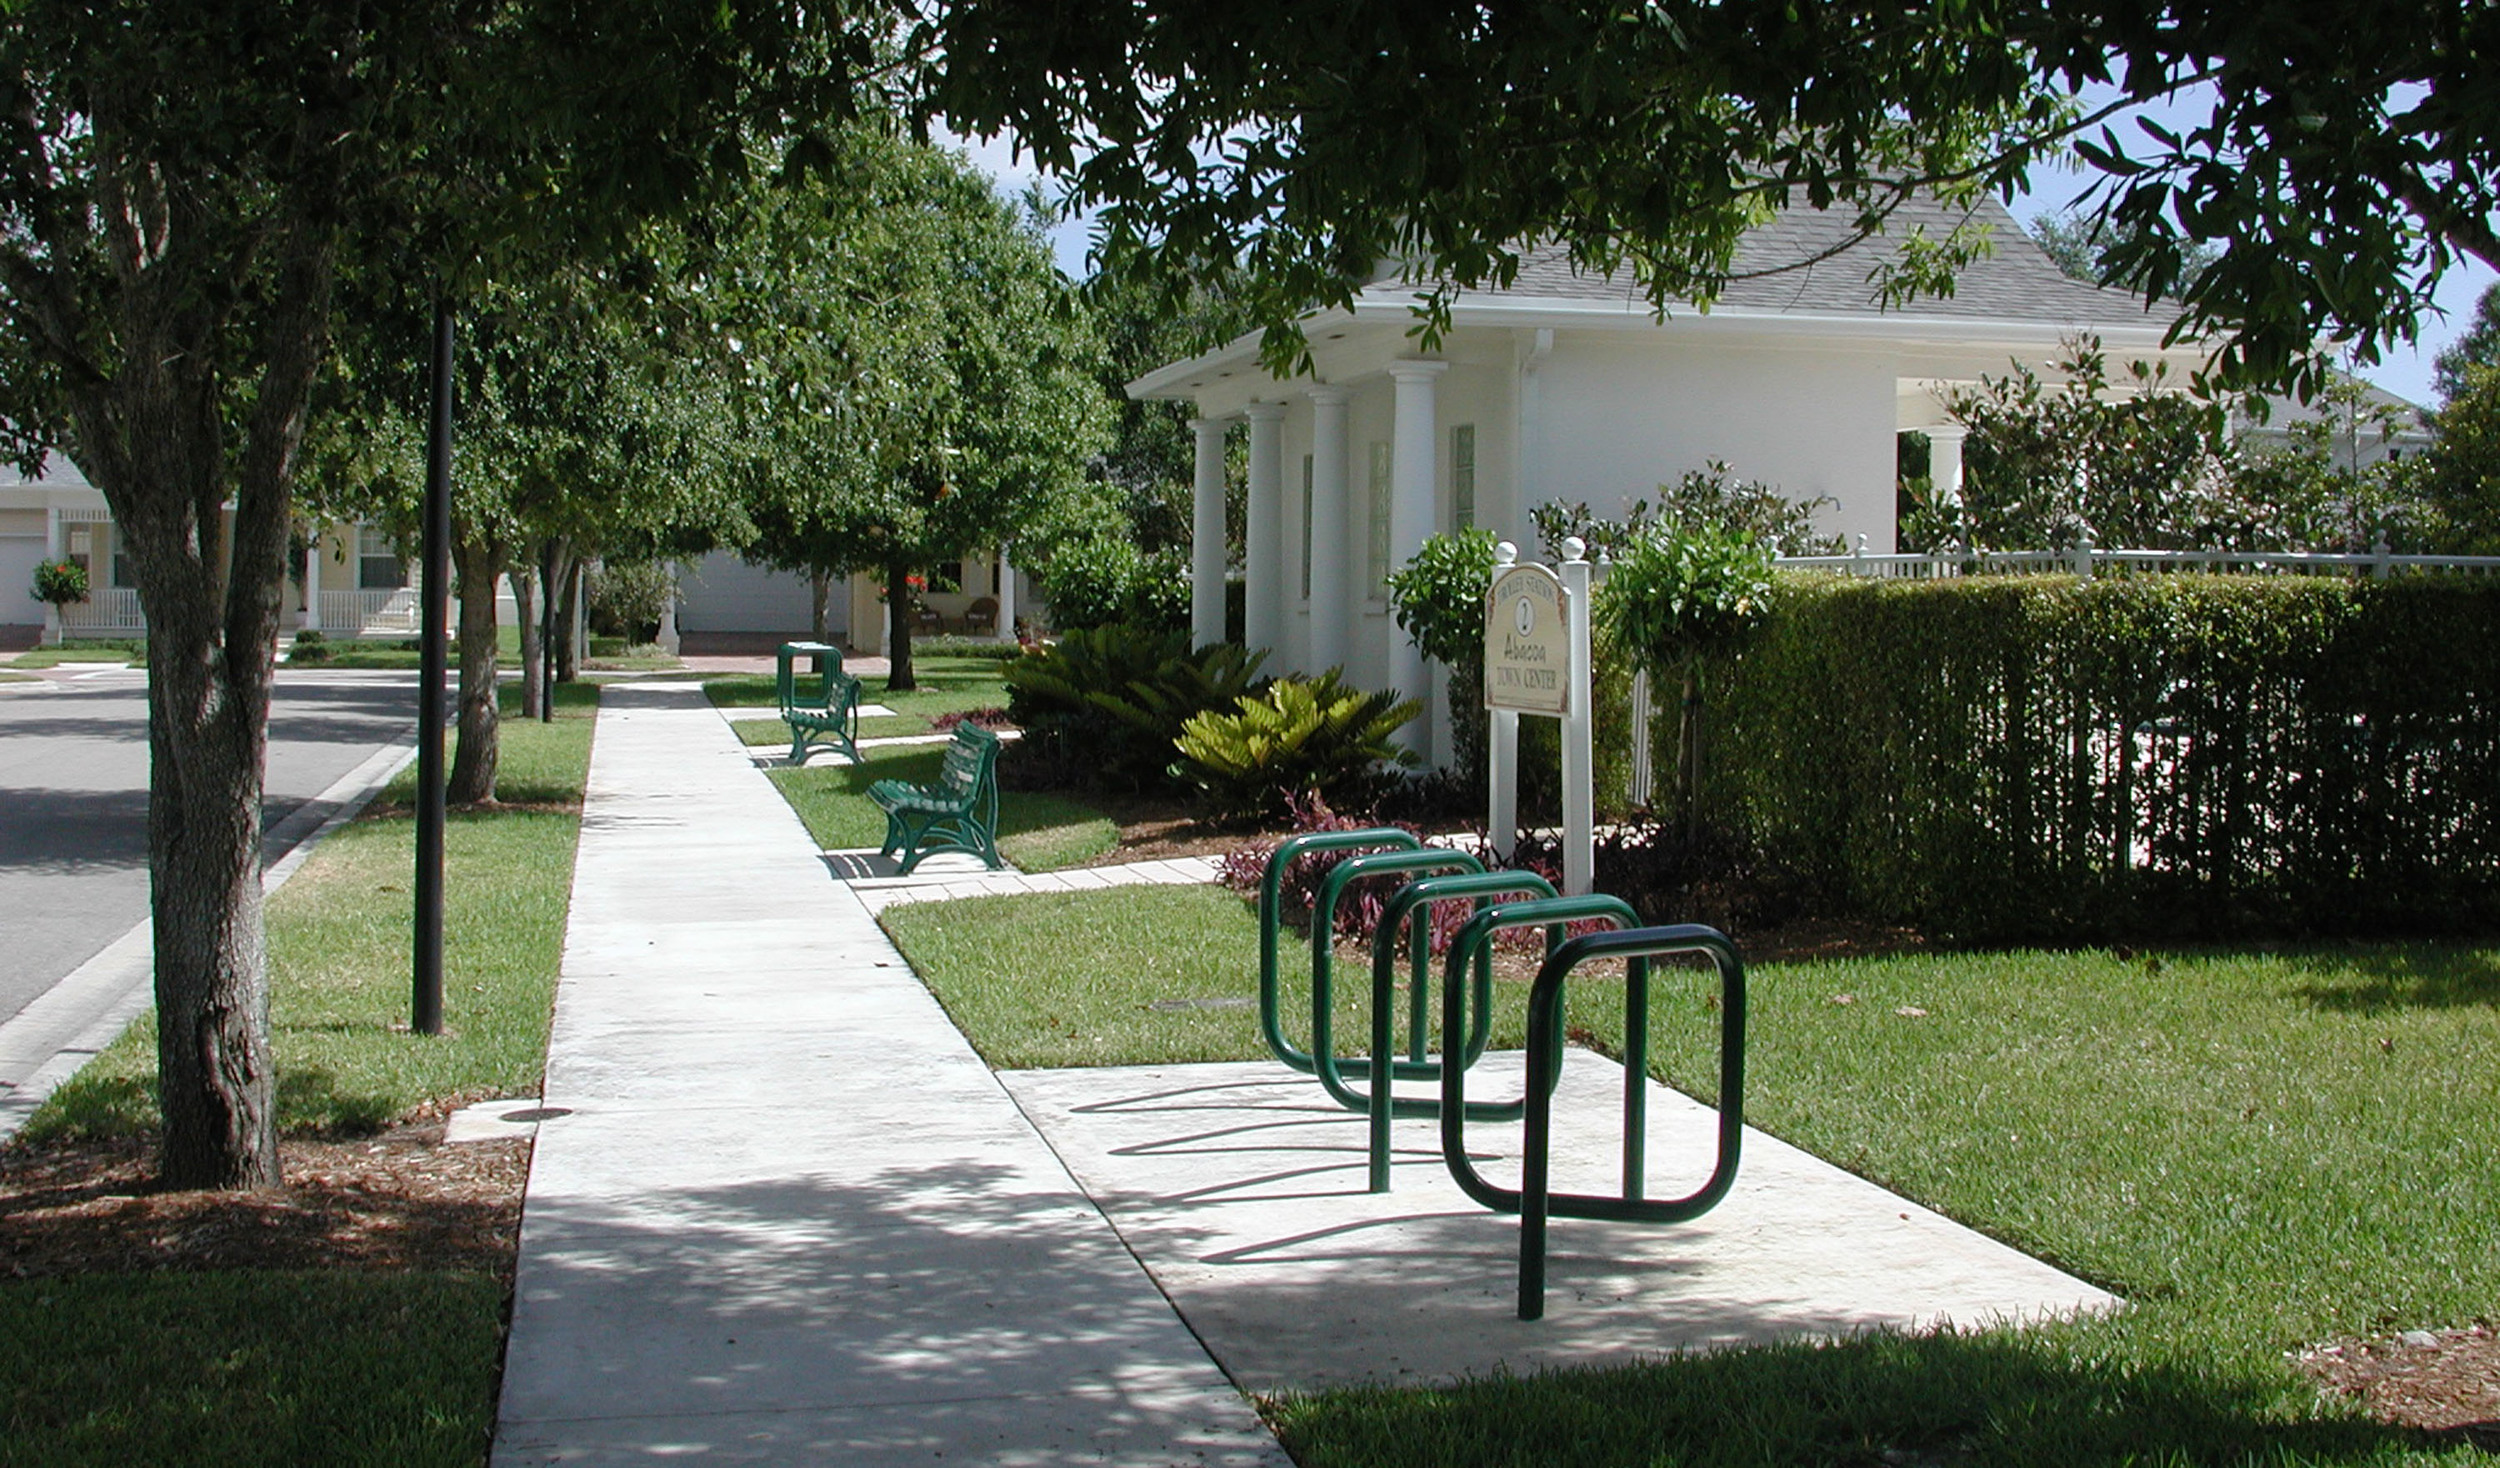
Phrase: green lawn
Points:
(338, 952)
(2258, 1149)
(1038, 831)
(947, 684)
(333, 1366)
(250, 1367)
(132, 652)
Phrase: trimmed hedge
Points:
(2181, 756)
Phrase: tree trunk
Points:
(152, 438)
(555, 565)
(569, 619)
(473, 762)
(819, 592)
(533, 656)
(900, 614)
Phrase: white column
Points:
(312, 581)
(1206, 535)
(1413, 462)
(667, 638)
(1944, 462)
(1263, 607)
(1006, 595)
(1330, 610)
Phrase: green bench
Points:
(817, 702)
(957, 813)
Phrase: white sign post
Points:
(1536, 660)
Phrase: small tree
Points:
(1678, 599)
(2461, 473)
(1438, 599)
(2151, 467)
(60, 583)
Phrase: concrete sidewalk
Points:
(789, 1216)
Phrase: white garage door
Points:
(19, 556)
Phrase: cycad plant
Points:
(1301, 737)
(1102, 707)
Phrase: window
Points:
(1306, 527)
(1379, 566)
(378, 567)
(948, 578)
(125, 575)
(1463, 476)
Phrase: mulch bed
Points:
(401, 1200)
(2444, 1381)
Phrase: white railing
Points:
(108, 611)
(2089, 560)
(391, 613)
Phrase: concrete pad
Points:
(686, 1322)
(1242, 1189)
(789, 1216)
(497, 1121)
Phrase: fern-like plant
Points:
(1101, 708)
(1302, 736)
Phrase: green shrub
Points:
(1300, 737)
(1101, 708)
(628, 598)
(61, 583)
(310, 647)
(1438, 599)
(2194, 756)
(1104, 580)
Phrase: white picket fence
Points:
(2089, 560)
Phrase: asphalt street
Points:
(73, 801)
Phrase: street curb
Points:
(70, 1023)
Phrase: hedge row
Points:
(2041, 757)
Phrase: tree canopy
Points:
(916, 379)
(2351, 153)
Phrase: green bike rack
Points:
(1332, 1072)
(1413, 902)
(1271, 921)
(1534, 1200)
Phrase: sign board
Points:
(1527, 642)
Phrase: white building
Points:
(349, 581)
(1568, 388)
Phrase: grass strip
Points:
(249, 1367)
(339, 957)
(327, 1366)
(1039, 831)
(1055, 979)
(2259, 1149)
(132, 651)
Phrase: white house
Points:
(1567, 388)
(349, 581)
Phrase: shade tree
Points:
(918, 381)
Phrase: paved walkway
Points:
(790, 1216)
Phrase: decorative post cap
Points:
(1574, 548)
(1505, 554)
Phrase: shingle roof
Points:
(2016, 281)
